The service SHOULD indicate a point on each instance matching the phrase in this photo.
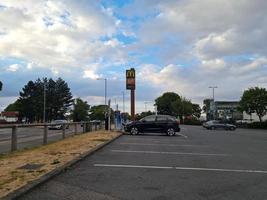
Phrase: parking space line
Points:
(183, 168)
(169, 152)
(134, 166)
(167, 145)
(180, 134)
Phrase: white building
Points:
(253, 117)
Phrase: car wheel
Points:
(232, 128)
(134, 131)
(212, 128)
(170, 132)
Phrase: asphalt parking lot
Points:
(201, 164)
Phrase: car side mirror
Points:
(144, 120)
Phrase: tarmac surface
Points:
(200, 164)
(31, 137)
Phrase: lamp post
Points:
(213, 106)
(44, 120)
(106, 118)
(123, 101)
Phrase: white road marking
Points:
(169, 152)
(183, 168)
(221, 170)
(182, 135)
(134, 166)
(168, 145)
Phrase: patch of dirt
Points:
(49, 157)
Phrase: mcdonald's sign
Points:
(130, 79)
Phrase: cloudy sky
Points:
(183, 46)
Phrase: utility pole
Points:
(123, 101)
(213, 100)
(44, 120)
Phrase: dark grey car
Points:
(215, 124)
(154, 123)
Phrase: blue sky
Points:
(180, 46)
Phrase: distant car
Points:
(215, 124)
(154, 123)
(58, 124)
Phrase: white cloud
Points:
(90, 74)
(58, 34)
(13, 67)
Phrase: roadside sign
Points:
(130, 79)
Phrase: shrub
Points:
(192, 122)
(258, 125)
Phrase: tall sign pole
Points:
(130, 85)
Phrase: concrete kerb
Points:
(31, 185)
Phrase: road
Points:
(30, 137)
(205, 165)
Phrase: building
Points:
(10, 117)
(228, 110)
(225, 110)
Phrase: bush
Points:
(192, 122)
(258, 125)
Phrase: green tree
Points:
(16, 106)
(254, 100)
(98, 113)
(196, 110)
(143, 114)
(80, 110)
(58, 99)
(168, 104)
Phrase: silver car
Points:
(215, 124)
(58, 124)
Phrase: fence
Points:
(86, 127)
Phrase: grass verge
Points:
(13, 175)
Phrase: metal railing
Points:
(86, 127)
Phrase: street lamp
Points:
(44, 120)
(106, 118)
(213, 106)
(104, 79)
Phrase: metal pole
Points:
(45, 134)
(63, 131)
(75, 128)
(213, 99)
(44, 103)
(105, 91)
(132, 105)
(123, 99)
(14, 138)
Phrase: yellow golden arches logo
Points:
(130, 73)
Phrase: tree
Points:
(58, 99)
(143, 114)
(168, 104)
(80, 110)
(1, 86)
(254, 100)
(98, 113)
(196, 110)
(16, 106)
(171, 103)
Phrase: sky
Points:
(181, 46)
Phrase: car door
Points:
(161, 123)
(148, 124)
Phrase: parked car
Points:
(154, 123)
(215, 124)
(58, 124)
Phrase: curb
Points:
(31, 185)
